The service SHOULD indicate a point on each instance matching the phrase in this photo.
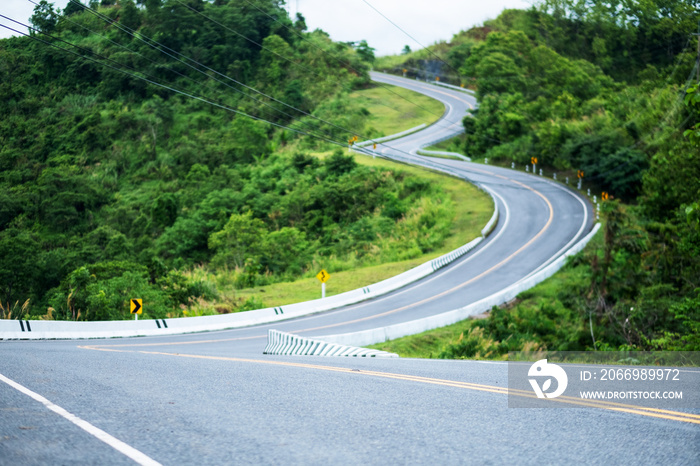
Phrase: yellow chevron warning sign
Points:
(136, 306)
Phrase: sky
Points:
(354, 20)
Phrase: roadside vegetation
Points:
(394, 109)
(112, 188)
(620, 103)
(466, 212)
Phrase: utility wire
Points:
(412, 38)
(311, 71)
(340, 61)
(172, 70)
(149, 41)
(303, 67)
(150, 80)
(244, 37)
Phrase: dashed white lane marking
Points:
(96, 432)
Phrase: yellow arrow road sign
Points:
(136, 306)
(323, 276)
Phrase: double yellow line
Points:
(619, 407)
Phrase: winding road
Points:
(214, 398)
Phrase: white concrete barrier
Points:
(284, 343)
(42, 329)
(51, 329)
(391, 332)
(391, 137)
(456, 88)
(432, 153)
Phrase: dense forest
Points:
(611, 89)
(141, 140)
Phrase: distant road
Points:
(213, 398)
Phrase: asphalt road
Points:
(213, 398)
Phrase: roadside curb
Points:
(438, 152)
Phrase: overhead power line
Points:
(163, 49)
(185, 61)
(411, 37)
(151, 80)
(347, 64)
(116, 66)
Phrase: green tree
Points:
(692, 102)
(241, 238)
(130, 16)
(45, 18)
(365, 52)
(18, 251)
(73, 7)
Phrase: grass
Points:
(455, 144)
(394, 109)
(473, 211)
(13, 312)
(428, 344)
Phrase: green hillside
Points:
(167, 151)
(609, 89)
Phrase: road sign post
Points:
(323, 277)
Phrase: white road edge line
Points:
(96, 432)
(573, 240)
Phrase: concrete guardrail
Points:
(391, 137)
(45, 329)
(284, 343)
(391, 332)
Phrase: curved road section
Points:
(213, 398)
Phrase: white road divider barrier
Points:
(438, 153)
(391, 137)
(284, 343)
(392, 332)
(51, 329)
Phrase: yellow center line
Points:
(172, 343)
(618, 407)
